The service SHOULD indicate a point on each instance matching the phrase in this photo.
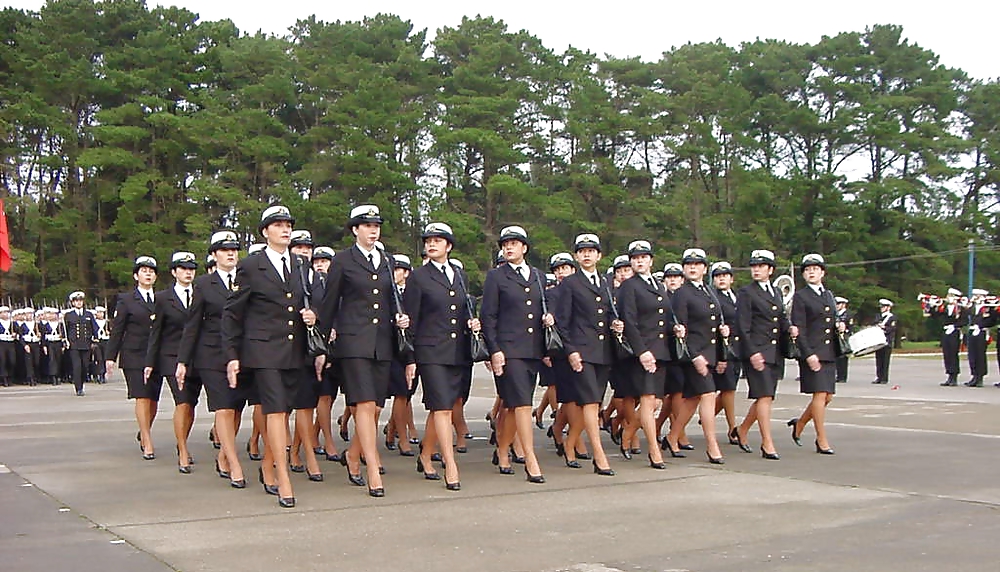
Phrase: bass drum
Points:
(867, 340)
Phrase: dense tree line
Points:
(128, 130)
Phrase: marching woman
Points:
(130, 327)
(514, 315)
(263, 330)
(813, 315)
(726, 373)
(647, 316)
(585, 320)
(760, 324)
(330, 383)
(436, 300)
(561, 265)
(200, 351)
(400, 389)
(673, 386)
(359, 301)
(621, 270)
(696, 311)
(172, 308)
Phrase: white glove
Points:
(949, 329)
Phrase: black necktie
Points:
(444, 270)
(187, 298)
(229, 280)
(821, 290)
(596, 283)
(371, 260)
(149, 297)
(522, 273)
(770, 292)
(732, 297)
(284, 268)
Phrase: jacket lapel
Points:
(264, 264)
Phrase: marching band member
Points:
(359, 301)
(949, 316)
(101, 347)
(263, 330)
(436, 300)
(8, 347)
(31, 337)
(647, 316)
(888, 323)
(513, 319)
(584, 317)
(980, 318)
(200, 351)
(81, 332)
(845, 317)
(53, 333)
(171, 309)
(760, 323)
(813, 316)
(726, 379)
(702, 323)
(130, 327)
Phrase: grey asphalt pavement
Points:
(913, 486)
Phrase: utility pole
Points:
(972, 265)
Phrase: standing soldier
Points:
(129, 340)
(171, 309)
(980, 319)
(81, 332)
(844, 316)
(8, 347)
(54, 336)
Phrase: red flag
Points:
(5, 258)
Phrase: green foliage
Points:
(128, 130)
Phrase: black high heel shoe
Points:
(296, 468)
(319, 451)
(254, 456)
(377, 492)
(792, 423)
(769, 456)
(661, 465)
(456, 486)
(626, 453)
(316, 478)
(390, 445)
(534, 479)
(222, 474)
(240, 484)
(405, 453)
(822, 451)
(675, 453)
(514, 457)
(686, 447)
(573, 464)
(715, 460)
(609, 472)
(184, 469)
(584, 456)
(356, 480)
(503, 470)
(269, 489)
(735, 434)
(420, 469)
(286, 502)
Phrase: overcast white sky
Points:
(962, 34)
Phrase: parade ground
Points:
(914, 485)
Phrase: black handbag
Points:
(554, 346)
(477, 345)
(790, 347)
(623, 349)
(315, 342)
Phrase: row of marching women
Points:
(53, 346)
(291, 326)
